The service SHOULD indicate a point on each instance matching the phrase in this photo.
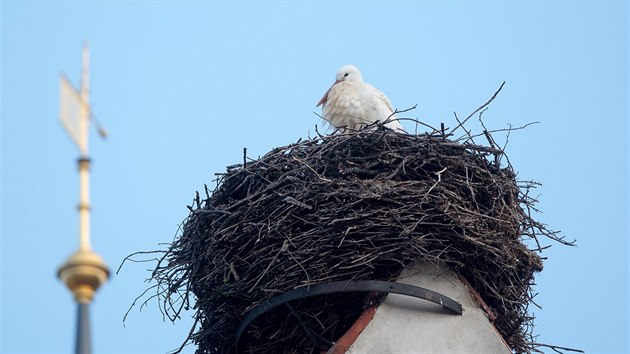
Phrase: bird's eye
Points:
(346, 74)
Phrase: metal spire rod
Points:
(84, 271)
(83, 343)
(84, 160)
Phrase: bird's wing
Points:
(382, 98)
(387, 109)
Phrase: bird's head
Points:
(349, 73)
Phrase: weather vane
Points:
(84, 271)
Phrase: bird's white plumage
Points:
(351, 103)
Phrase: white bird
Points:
(351, 103)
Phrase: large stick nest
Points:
(355, 206)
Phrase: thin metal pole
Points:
(84, 160)
(84, 122)
(83, 345)
(84, 203)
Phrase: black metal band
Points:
(348, 286)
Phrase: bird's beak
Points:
(325, 98)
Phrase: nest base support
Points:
(348, 286)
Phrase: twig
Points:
(416, 121)
(439, 175)
(188, 337)
(509, 129)
(128, 258)
(555, 348)
(285, 246)
(396, 111)
(470, 136)
(461, 124)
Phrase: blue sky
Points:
(183, 87)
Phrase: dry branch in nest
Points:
(357, 206)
